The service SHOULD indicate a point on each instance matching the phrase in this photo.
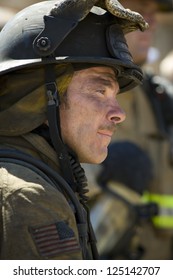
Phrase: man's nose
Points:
(116, 114)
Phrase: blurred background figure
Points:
(118, 212)
(166, 70)
(162, 40)
(149, 123)
(166, 67)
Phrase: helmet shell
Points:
(35, 37)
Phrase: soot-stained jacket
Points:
(37, 220)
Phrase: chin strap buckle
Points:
(53, 96)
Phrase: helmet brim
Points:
(127, 78)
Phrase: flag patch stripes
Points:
(54, 239)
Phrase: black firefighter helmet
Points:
(54, 32)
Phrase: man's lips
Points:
(107, 130)
(106, 133)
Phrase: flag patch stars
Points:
(54, 239)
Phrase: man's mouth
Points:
(106, 133)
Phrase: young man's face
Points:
(91, 112)
(140, 42)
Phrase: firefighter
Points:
(118, 212)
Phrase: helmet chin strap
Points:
(71, 169)
(53, 116)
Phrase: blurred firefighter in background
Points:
(118, 211)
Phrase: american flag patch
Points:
(54, 239)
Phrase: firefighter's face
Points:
(91, 112)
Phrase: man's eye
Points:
(102, 91)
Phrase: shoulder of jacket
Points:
(15, 177)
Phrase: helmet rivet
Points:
(43, 43)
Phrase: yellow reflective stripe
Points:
(165, 202)
(163, 222)
(162, 199)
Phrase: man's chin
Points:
(102, 158)
(97, 157)
(95, 160)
